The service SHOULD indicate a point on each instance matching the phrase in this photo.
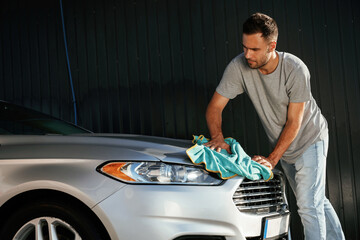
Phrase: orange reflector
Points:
(114, 169)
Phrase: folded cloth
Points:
(227, 165)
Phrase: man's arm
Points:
(214, 121)
(290, 131)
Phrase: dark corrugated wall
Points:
(150, 67)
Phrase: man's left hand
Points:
(263, 161)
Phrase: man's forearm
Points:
(289, 133)
(214, 121)
(286, 138)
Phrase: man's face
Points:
(257, 50)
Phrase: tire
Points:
(64, 220)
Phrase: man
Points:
(278, 85)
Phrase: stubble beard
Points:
(262, 63)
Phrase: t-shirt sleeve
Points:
(231, 85)
(298, 84)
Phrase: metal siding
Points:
(150, 67)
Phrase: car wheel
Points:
(50, 220)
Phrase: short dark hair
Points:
(261, 23)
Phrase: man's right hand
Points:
(218, 144)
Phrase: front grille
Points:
(261, 196)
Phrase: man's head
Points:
(261, 23)
(260, 34)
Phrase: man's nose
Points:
(247, 53)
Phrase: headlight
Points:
(158, 173)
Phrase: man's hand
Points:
(263, 161)
(218, 144)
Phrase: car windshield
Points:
(22, 121)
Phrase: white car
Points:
(59, 181)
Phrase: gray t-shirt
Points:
(271, 95)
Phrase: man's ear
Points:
(272, 46)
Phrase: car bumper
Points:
(165, 212)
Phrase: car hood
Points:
(96, 146)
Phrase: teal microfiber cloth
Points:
(227, 165)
